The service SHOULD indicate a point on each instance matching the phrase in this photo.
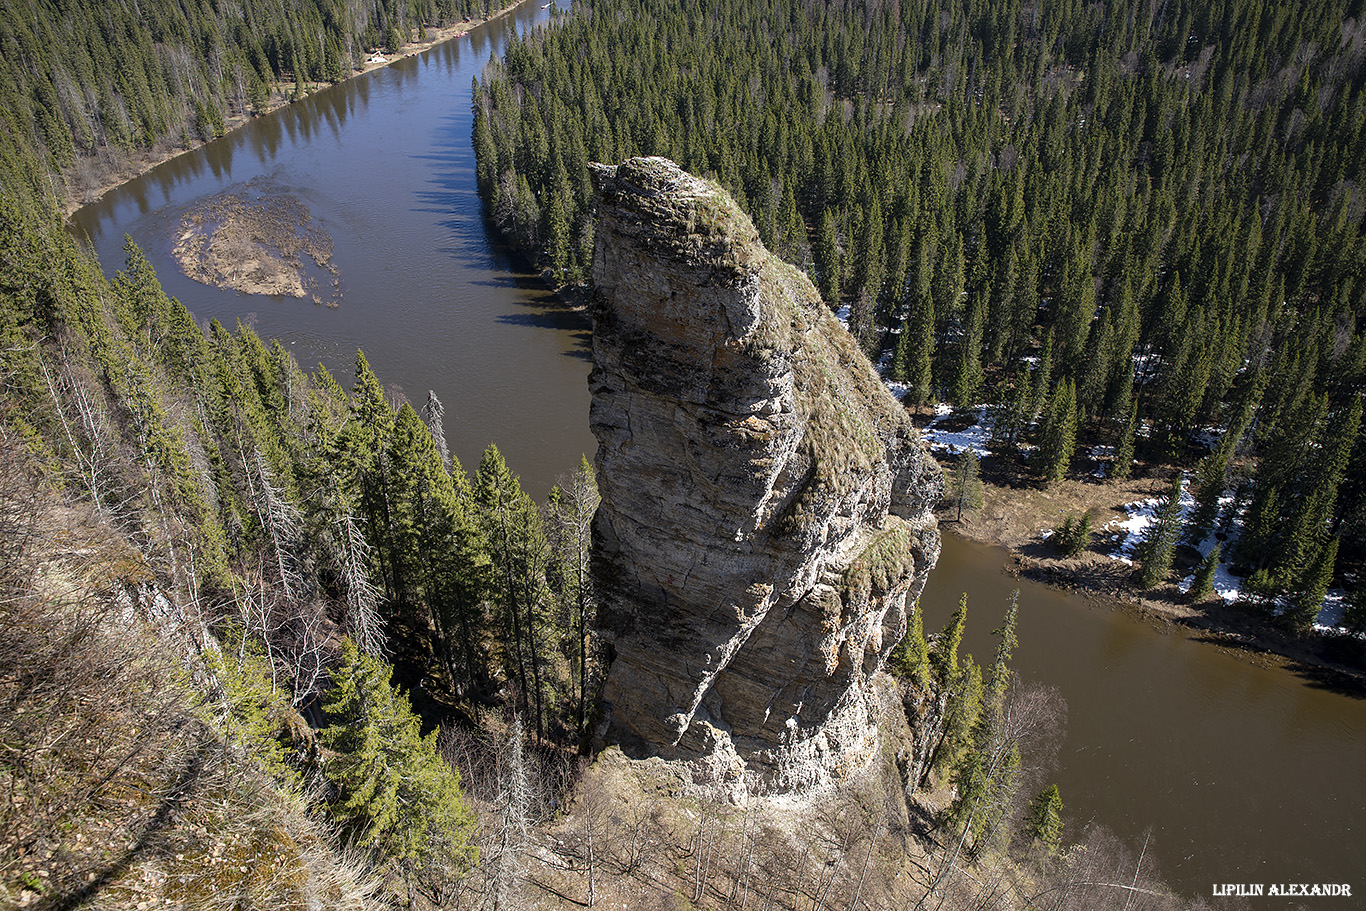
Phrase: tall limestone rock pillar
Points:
(766, 503)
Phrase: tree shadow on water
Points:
(1322, 662)
(556, 316)
(476, 247)
(451, 192)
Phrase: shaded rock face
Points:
(766, 503)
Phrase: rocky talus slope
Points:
(766, 504)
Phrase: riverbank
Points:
(90, 179)
(1018, 516)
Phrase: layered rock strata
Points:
(766, 503)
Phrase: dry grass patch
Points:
(117, 788)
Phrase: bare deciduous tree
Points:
(640, 835)
(570, 530)
(92, 450)
(292, 633)
(351, 556)
(1099, 872)
(503, 859)
(1029, 714)
(433, 413)
(710, 824)
(281, 521)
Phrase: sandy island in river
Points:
(252, 243)
(255, 243)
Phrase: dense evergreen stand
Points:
(1136, 220)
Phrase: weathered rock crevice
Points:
(766, 504)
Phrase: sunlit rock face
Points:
(766, 503)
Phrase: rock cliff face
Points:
(766, 503)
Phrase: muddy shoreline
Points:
(91, 180)
(1015, 515)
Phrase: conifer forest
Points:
(80, 77)
(266, 643)
(1135, 227)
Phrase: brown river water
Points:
(1243, 774)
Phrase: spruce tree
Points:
(968, 378)
(419, 492)
(1124, 449)
(519, 556)
(556, 231)
(1310, 588)
(944, 649)
(1008, 417)
(256, 707)
(486, 155)
(1073, 536)
(1006, 639)
(395, 794)
(435, 536)
(1203, 583)
(364, 447)
(920, 365)
(1081, 536)
(1158, 547)
(866, 279)
(1058, 435)
(900, 368)
(961, 711)
(826, 253)
(910, 660)
(1099, 364)
(967, 482)
(794, 247)
(1042, 382)
(1301, 536)
(469, 579)
(1044, 823)
(986, 775)
(1209, 488)
(1260, 527)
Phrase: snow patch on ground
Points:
(955, 441)
(1104, 456)
(1330, 615)
(1227, 586)
(1142, 514)
(1208, 437)
(884, 366)
(1144, 363)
